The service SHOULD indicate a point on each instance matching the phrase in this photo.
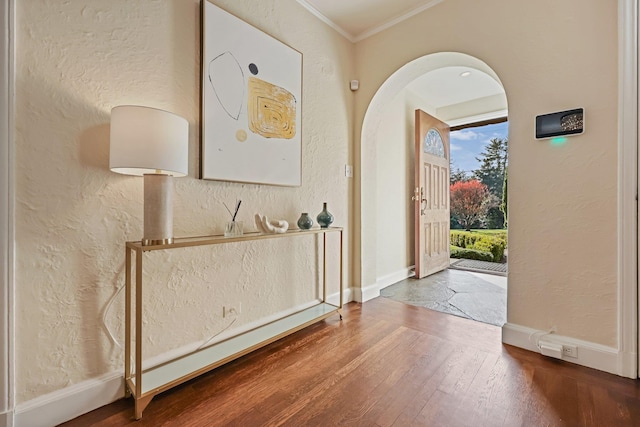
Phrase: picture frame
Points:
(251, 103)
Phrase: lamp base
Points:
(152, 242)
(158, 209)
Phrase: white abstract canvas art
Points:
(251, 103)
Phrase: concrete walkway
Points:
(477, 296)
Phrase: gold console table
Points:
(144, 384)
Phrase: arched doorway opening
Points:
(387, 237)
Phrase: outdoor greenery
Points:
(502, 233)
(503, 205)
(457, 175)
(494, 244)
(457, 252)
(468, 202)
(491, 211)
(478, 202)
(493, 164)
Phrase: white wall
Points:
(76, 60)
(563, 199)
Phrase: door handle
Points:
(418, 196)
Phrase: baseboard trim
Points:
(6, 419)
(347, 296)
(396, 277)
(367, 293)
(590, 354)
(373, 291)
(70, 402)
(628, 364)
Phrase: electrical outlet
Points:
(570, 350)
(348, 171)
(231, 310)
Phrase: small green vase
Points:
(305, 222)
(324, 218)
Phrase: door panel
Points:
(431, 195)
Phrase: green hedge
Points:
(493, 244)
(457, 252)
(501, 234)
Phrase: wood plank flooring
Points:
(389, 364)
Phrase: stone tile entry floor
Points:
(477, 296)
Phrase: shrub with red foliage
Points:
(469, 201)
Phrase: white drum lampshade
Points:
(155, 144)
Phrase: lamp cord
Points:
(538, 335)
(218, 333)
(115, 341)
(106, 313)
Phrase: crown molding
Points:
(374, 30)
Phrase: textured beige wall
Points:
(75, 61)
(562, 214)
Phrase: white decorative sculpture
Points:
(266, 225)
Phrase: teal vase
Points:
(305, 222)
(324, 218)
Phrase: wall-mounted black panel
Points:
(563, 123)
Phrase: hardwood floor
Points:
(390, 364)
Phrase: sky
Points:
(466, 144)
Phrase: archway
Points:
(372, 249)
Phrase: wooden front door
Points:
(431, 195)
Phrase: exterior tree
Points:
(503, 205)
(493, 165)
(457, 175)
(494, 219)
(469, 202)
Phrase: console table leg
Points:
(141, 404)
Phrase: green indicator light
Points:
(558, 141)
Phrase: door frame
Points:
(628, 260)
(7, 192)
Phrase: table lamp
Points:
(155, 144)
